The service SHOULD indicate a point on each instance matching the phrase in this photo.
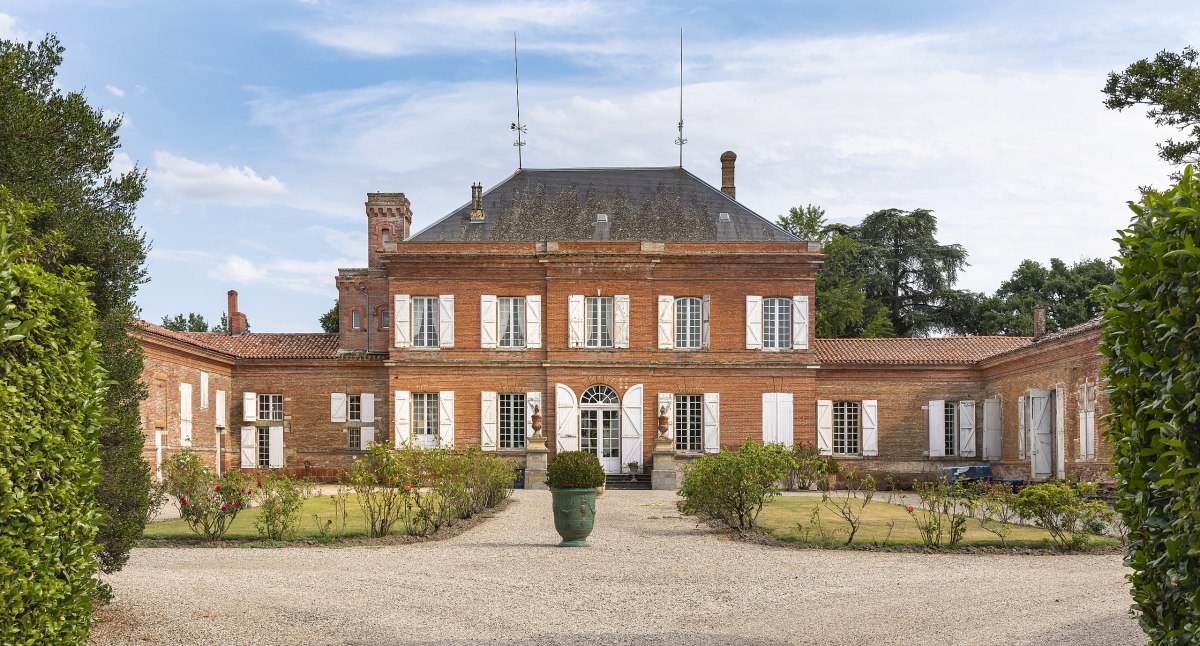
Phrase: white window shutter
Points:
(712, 422)
(1020, 428)
(402, 413)
(203, 390)
(220, 412)
(966, 428)
(575, 320)
(367, 407)
(366, 435)
(621, 321)
(249, 407)
(533, 399)
(784, 426)
(185, 415)
(275, 458)
(799, 322)
(446, 418)
(249, 447)
(754, 322)
(337, 407)
(446, 320)
(991, 429)
(566, 418)
(666, 400)
(1091, 435)
(402, 315)
(488, 420)
(1060, 434)
(631, 426)
(488, 313)
(770, 420)
(705, 314)
(1083, 421)
(533, 321)
(666, 322)
(937, 428)
(825, 427)
(870, 427)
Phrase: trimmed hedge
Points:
(51, 386)
(1151, 338)
(575, 470)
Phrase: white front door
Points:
(1041, 433)
(158, 453)
(600, 433)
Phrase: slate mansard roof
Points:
(642, 204)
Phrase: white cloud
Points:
(231, 185)
(122, 163)
(114, 90)
(9, 30)
(292, 274)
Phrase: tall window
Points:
(599, 322)
(386, 235)
(385, 321)
(425, 414)
(846, 427)
(687, 323)
(689, 422)
(355, 319)
(512, 421)
(425, 321)
(355, 408)
(270, 407)
(512, 321)
(264, 447)
(354, 438)
(777, 323)
(951, 413)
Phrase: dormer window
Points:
(723, 217)
(601, 217)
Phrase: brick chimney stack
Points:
(237, 320)
(1039, 321)
(727, 160)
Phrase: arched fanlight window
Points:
(599, 394)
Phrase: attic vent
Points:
(724, 217)
(601, 217)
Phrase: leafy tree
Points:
(50, 419)
(1151, 318)
(806, 223)
(58, 149)
(1068, 292)
(193, 322)
(223, 326)
(329, 320)
(908, 271)
(1170, 85)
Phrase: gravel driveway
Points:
(649, 577)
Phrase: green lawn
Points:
(243, 526)
(787, 518)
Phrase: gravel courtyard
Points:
(650, 577)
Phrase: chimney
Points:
(1039, 321)
(236, 320)
(477, 202)
(727, 160)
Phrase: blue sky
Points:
(264, 124)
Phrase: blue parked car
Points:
(976, 473)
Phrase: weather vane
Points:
(516, 126)
(680, 140)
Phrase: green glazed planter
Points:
(574, 514)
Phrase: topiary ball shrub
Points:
(575, 470)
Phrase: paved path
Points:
(650, 577)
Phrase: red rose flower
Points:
(222, 507)
(909, 508)
(237, 504)
(260, 484)
(218, 487)
(408, 487)
(183, 501)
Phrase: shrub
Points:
(810, 467)
(731, 487)
(940, 514)
(997, 504)
(851, 503)
(280, 500)
(575, 470)
(383, 480)
(1152, 313)
(1063, 510)
(208, 503)
(50, 421)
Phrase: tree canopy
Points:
(193, 322)
(329, 320)
(1067, 291)
(58, 151)
(1169, 85)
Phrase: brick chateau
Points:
(602, 298)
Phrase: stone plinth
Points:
(536, 459)
(662, 477)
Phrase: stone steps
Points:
(624, 481)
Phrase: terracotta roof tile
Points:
(268, 345)
(916, 350)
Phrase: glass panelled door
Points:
(600, 433)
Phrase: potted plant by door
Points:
(634, 470)
(573, 477)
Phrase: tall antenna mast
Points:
(680, 141)
(516, 126)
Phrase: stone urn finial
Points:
(536, 421)
(663, 421)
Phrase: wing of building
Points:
(638, 313)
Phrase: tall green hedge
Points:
(1152, 340)
(51, 387)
